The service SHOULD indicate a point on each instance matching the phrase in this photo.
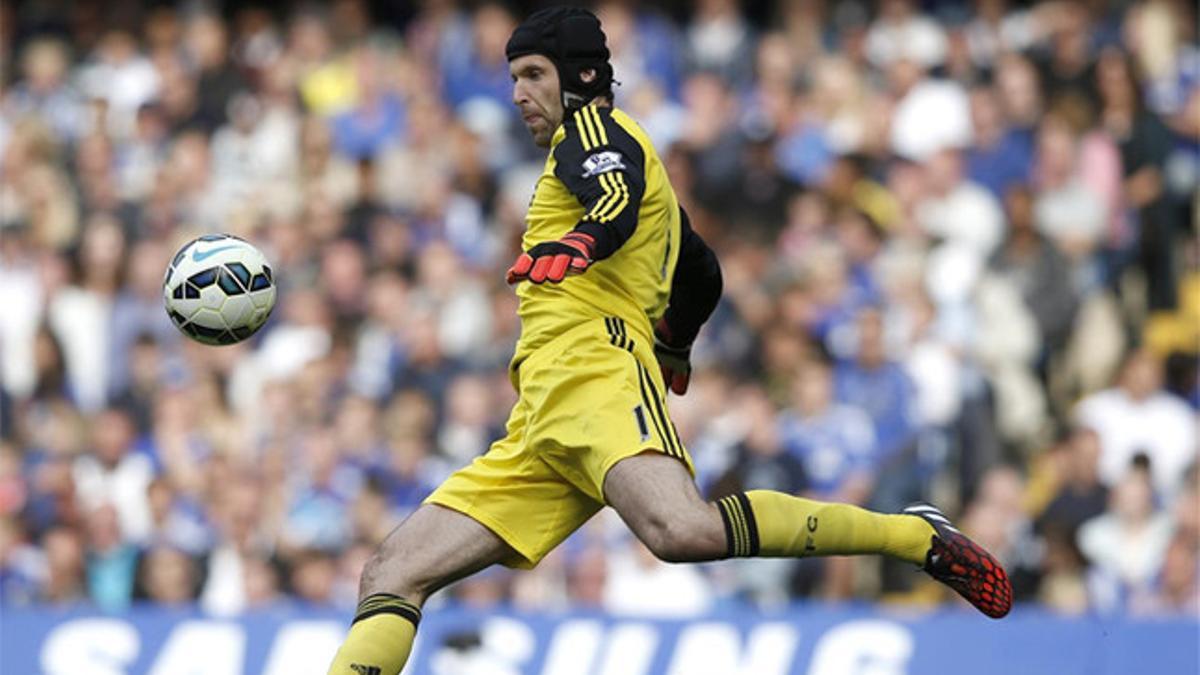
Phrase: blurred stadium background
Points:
(960, 253)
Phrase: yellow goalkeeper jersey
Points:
(602, 168)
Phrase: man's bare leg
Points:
(657, 498)
(434, 547)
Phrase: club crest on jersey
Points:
(602, 162)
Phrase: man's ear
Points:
(587, 75)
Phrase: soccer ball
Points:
(219, 289)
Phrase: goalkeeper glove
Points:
(554, 260)
(674, 360)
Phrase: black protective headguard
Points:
(571, 38)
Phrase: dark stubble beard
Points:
(542, 136)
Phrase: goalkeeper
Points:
(614, 287)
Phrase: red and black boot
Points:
(963, 565)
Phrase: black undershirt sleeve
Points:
(602, 165)
(695, 288)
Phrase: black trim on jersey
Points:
(617, 335)
(695, 288)
(612, 194)
(667, 430)
(629, 343)
(649, 400)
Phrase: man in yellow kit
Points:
(614, 286)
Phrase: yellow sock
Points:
(380, 637)
(776, 525)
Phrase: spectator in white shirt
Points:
(113, 473)
(1137, 416)
(901, 33)
(958, 210)
(640, 585)
(1127, 544)
(1066, 209)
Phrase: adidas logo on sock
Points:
(366, 670)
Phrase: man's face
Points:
(536, 95)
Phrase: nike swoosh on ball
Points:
(198, 256)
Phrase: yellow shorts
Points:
(587, 399)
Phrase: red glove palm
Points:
(553, 260)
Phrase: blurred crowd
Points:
(958, 239)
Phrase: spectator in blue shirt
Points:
(480, 69)
(111, 561)
(366, 130)
(835, 442)
(378, 119)
(761, 461)
(405, 476)
(45, 89)
(877, 386)
(645, 45)
(318, 513)
(999, 157)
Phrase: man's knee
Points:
(669, 544)
(682, 539)
(387, 571)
